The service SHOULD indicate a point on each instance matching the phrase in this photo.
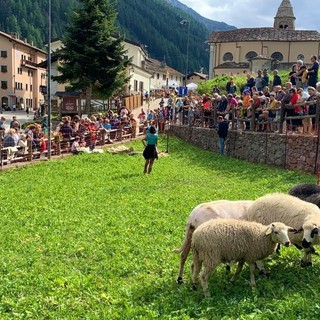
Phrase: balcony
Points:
(29, 64)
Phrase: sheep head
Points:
(279, 233)
(310, 233)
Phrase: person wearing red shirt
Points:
(294, 110)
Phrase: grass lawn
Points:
(90, 237)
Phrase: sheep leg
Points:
(236, 274)
(185, 252)
(261, 268)
(306, 261)
(207, 270)
(195, 269)
(252, 279)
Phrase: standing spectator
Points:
(293, 74)
(216, 89)
(258, 81)
(150, 152)
(313, 72)
(2, 122)
(301, 75)
(27, 110)
(276, 78)
(265, 78)
(15, 122)
(223, 127)
(231, 87)
(250, 81)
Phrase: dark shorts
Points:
(150, 152)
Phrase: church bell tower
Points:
(285, 19)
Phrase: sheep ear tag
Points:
(269, 230)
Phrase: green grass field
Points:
(90, 237)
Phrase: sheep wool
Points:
(299, 214)
(205, 212)
(226, 240)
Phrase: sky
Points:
(256, 13)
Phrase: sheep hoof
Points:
(179, 280)
(264, 273)
(305, 264)
(228, 268)
(194, 287)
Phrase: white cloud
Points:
(255, 13)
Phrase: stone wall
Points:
(287, 151)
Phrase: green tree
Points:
(92, 58)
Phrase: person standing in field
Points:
(223, 127)
(150, 151)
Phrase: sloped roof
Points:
(233, 65)
(199, 74)
(154, 66)
(263, 34)
(285, 10)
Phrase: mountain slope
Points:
(210, 24)
(154, 23)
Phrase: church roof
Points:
(233, 65)
(263, 34)
(285, 10)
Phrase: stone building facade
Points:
(233, 52)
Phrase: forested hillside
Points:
(154, 23)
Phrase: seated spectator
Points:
(66, 130)
(23, 144)
(75, 147)
(9, 139)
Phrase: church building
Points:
(250, 49)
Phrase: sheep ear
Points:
(299, 230)
(292, 230)
(270, 229)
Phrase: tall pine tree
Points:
(92, 59)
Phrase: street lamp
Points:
(185, 22)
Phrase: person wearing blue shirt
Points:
(150, 151)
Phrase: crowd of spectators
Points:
(264, 98)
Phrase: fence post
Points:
(30, 149)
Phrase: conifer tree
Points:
(92, 58)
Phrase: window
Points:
(277, 56)
(228, 56)
(250, 55)
(4, 54)
(26, 87)
(4, 85)
(135, 85)
(19, 70)
(4, 69)
(300, 57)
(31, 89)
(164, 77)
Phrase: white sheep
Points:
(205, 212)
(299, 214)
(226, 240)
